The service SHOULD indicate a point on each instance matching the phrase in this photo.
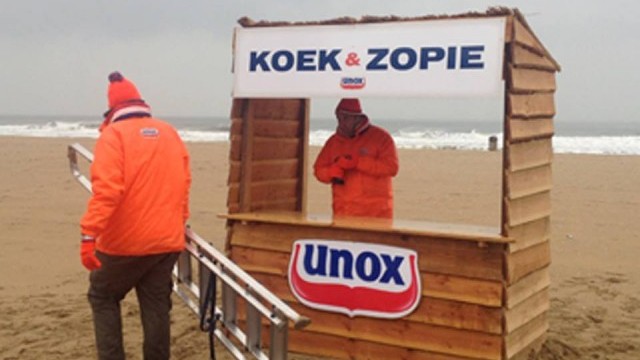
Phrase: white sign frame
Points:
(430, 58)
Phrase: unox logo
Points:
(149, 132)
(353, 83)
(355, 278)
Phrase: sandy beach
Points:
(595, 294)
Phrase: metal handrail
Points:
(235, 282)
(72, 153)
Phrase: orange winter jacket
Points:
(140, 179)
(367, 189)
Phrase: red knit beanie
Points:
(349, 106)
(121, 90)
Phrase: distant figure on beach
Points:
(133, 229)
(359, 161)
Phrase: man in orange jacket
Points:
(358, 161)
(133, 229)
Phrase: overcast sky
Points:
(56, 54)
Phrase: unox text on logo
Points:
(355, 278)
(353, 83)
(149, 132)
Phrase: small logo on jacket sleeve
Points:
(149, 132)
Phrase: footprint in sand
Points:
(631, 306)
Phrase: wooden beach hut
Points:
(484, 291)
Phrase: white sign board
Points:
(452, 57)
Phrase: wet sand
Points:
(595, 294)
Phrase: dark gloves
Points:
(340, 165)
(337, 174)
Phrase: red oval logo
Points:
(355, 278)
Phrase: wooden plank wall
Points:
(460, 315)
(268, 154)
(528, 154)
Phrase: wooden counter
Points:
(462, 271)
(396, 226)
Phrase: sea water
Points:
(581, 137)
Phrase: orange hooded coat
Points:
(140, 178)
(367, 190)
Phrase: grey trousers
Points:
(151, 277)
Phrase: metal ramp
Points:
(200, 260)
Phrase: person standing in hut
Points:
(133, 229)
(359, 161)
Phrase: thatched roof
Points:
(368, 19)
